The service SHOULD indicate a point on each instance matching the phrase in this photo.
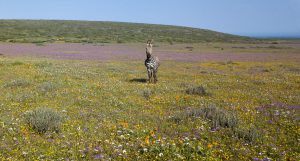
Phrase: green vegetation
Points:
(110, 112)
(200, 90)
(42, 120)
(42, 31)
(216, 116)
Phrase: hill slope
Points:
(39, 31)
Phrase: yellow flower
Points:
(177, 98)
(152, 133)
(138, 126)
(180, 141)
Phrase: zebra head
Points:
(149, 48)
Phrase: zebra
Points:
(151, 62)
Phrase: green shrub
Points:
(170, 41)
(17, 83)
(248, 134)
(43, 64)
(42, 120)
(227, 62)
(39, 44)
(17, 63)
(22, 97)
(120, 41)
(200, 90)
(46, 87)
(147, 93)
(217, 117)
(190, 48)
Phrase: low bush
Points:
(147, 93)
(42, 120)
(217, 117)
(17, 63)
(200, 90)
(251, 134)
(23, 97)
(17, 83)
(46, 87)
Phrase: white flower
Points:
(160, 154)
(179, 156)
(124, 151)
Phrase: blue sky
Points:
(243, 17)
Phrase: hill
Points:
(40, 31)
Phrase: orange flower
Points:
(147, 140)
(209, 146)
(124, 124)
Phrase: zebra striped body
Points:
(151, 63)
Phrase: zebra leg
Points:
(149, 75)
(151, 78)
(155, 76)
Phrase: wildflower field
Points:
(54, 109)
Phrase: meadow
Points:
(105, 110)
(77, 90)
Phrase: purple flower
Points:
(266, 159)
(256, 159)
(98, 156)
(97, 149)
(270, 122)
